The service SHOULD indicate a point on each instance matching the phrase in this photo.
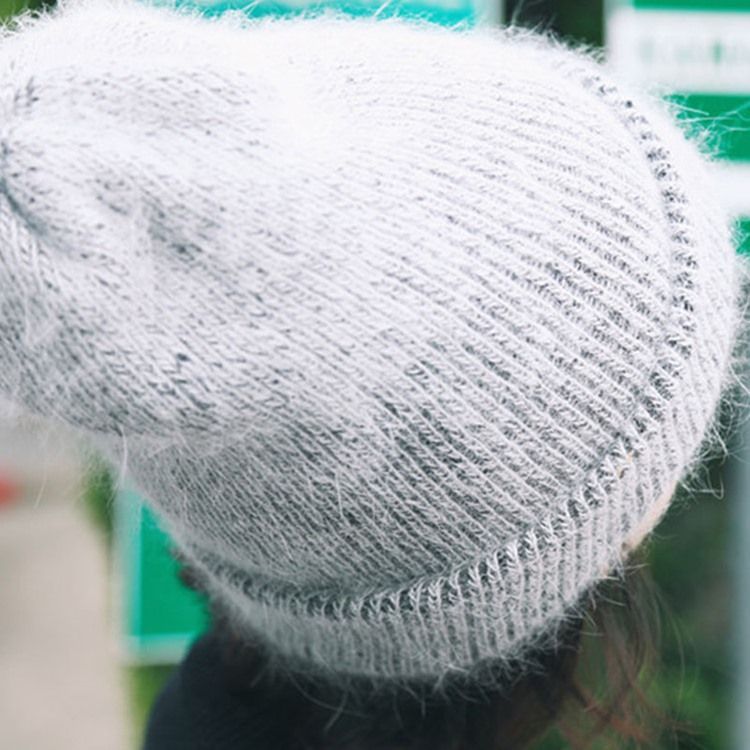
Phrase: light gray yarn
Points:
(402, 331)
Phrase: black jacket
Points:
(197, 709)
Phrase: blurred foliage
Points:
(581, 20)
(144, 685)
(689, 558)
(98, 499)
(691, 686)
(9, 8)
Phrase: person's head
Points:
(588, 678)
(590, 682)
(405, 332)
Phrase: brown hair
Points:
(591, 686)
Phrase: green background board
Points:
(728, 120)
(683, 43)
(722, 116)
(744, 232)
(446, 12)
(159, 616)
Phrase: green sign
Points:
(446, 12)
(159, 617)
(685, 49)
(696, 53)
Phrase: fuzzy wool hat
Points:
(402, 331)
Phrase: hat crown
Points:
(395, 326)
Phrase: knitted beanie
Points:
(402, 331)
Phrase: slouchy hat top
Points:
(401, 330)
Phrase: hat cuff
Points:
(487, 609)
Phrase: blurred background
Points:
(92, 618)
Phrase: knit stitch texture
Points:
(401, 330)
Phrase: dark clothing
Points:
(197, 710)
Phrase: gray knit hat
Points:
(402, 331)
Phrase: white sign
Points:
(682, 50)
